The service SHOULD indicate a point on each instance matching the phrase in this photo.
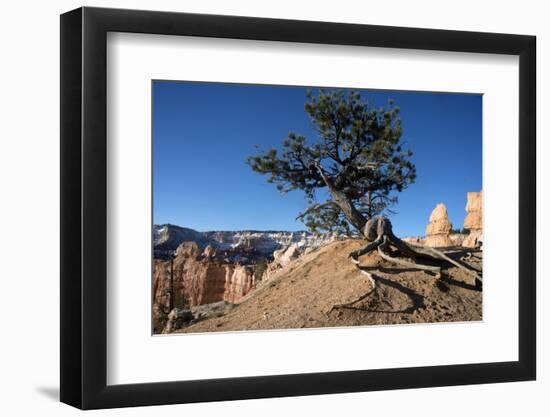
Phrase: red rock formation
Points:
(194, 278)
(239, 280)
(474, 219)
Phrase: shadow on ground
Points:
(50, 392)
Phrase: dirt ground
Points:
(302, 295)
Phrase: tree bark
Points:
(369, 203)
(353, 215)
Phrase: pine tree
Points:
(357, 155)
(359, 158)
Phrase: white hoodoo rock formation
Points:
(438, 231)
(474, 220)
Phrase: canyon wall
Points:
(196, 277)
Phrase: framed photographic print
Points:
(256, 208)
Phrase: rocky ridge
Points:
(252, 243)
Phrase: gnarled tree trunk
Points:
(378, 231)
(353, 215)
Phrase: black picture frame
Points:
(84, 207)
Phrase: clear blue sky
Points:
(203, 133)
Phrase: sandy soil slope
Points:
(302, 294)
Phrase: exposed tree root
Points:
(379, 232)
(407, 264)
(401, 246)
(435, 254)
(370, 247)
(469, 256)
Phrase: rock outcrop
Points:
(457, 239)
(195, 277)
(239, 281)
(179, 318)
(474, 220)
(281, 258)
(209, 252)
(167, 238)
(438, 231)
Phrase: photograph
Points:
(266, 209)
(292, 207)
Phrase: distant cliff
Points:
(235, 244)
